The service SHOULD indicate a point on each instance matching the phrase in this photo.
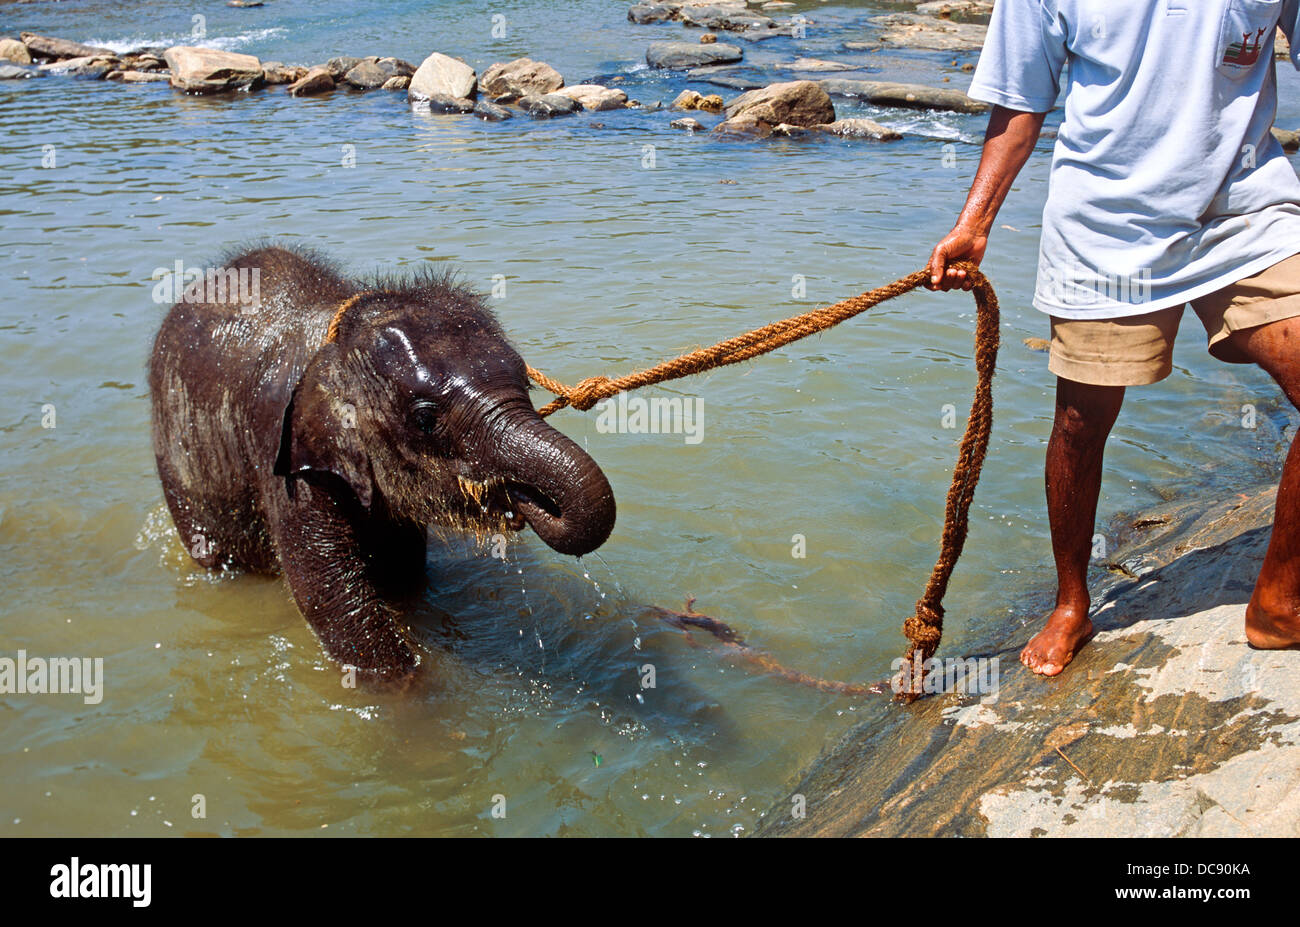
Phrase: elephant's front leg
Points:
(321, 555)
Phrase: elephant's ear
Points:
(319, 432)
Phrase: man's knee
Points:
(1275, 346)
(1084, 410)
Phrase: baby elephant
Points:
(319, 428)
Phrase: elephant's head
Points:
(420, 404)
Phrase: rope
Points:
(332, 333)
(924, 629)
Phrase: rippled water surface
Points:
(215, 686)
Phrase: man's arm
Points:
(1008, 142)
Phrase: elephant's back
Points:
(223, 368)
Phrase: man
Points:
(1167, 188)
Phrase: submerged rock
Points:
(206, 70)
(913, 96)
(690, 54)
(692, 125)
(441, 75)
(595, 97)
(519, 78)
(18, 72)
(799, 102)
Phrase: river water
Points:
(622, 242)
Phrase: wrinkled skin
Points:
(329, 462)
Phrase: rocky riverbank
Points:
(1167, 724)
(445, 84)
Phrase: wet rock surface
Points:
(1166, 724)
(691, 54)
(206, 70)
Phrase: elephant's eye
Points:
(424, 416)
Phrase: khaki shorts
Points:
(1139, 349)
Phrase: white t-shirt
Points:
(1166, 184)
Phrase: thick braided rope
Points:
(924, 629)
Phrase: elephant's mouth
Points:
(529, 504)
(519, 505)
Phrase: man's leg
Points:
(1273, 615)
(1084, 416)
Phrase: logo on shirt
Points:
(1246, 52)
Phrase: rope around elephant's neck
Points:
(925, 628)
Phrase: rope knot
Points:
(925, 628)
(590, 391)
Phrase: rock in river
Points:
(798, 102)
(491, 112)
(859, 128)
(14, 51)
(45, 46)
(690, 54)
(316, 80)
(912, 96)
(595, 97)
(547, 105)
(18, 72)
(440, 75)
(519, 78)
(206, 70)
(909, 30)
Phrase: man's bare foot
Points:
(1272, 629)
(1052, 649)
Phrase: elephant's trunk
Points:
(558, 489)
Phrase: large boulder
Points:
(595, 97)
(45, 46)
(519, 78)
(797, 102)
(14, 51)
(316, 80)
(207, 70)
(691, 54)
(441, 75)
